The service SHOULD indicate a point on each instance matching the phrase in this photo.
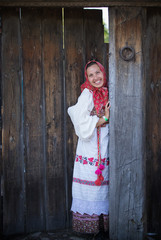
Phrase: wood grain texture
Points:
(39, 83)
(33, 119)
(81, 3)
(74, 67)
(152, 55)
(94, 36)
(12, 152)
(54, 114)
(127, 118)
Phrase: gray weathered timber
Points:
(80, 3)
(126, 126)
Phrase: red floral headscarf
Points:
(100, 95)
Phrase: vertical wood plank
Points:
(53, 77)
(95, 48)
(33, 119)
(152, 54)
(74, 76)
(1, 163)
(13, 172)
(127, 128)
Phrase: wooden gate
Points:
(135, 117)
(43, 53)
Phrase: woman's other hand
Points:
(107, 110)
(107, 115)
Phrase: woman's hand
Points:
(107, 110)
(107, 115)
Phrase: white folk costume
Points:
(90, 175)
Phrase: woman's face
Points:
(95, 76)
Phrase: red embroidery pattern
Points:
(91, 161)
(91, 183)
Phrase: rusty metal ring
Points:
(127, 53)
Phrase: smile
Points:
(98, 82)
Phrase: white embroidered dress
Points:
(87, 197)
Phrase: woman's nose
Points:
(95, 76)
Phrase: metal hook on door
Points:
(127, 53)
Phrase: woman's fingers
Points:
(108, 105)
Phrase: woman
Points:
(90, 117)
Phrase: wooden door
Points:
(127, 124)
(135, 117)
(43, 57)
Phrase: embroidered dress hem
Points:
(90, 207)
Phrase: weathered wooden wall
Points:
(37, 87)
(127, 97)
(152, 60)
(38, 138)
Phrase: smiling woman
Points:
(90, 116)
(95, 76)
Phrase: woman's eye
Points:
(98, 72)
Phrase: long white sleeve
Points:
(84, 124)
